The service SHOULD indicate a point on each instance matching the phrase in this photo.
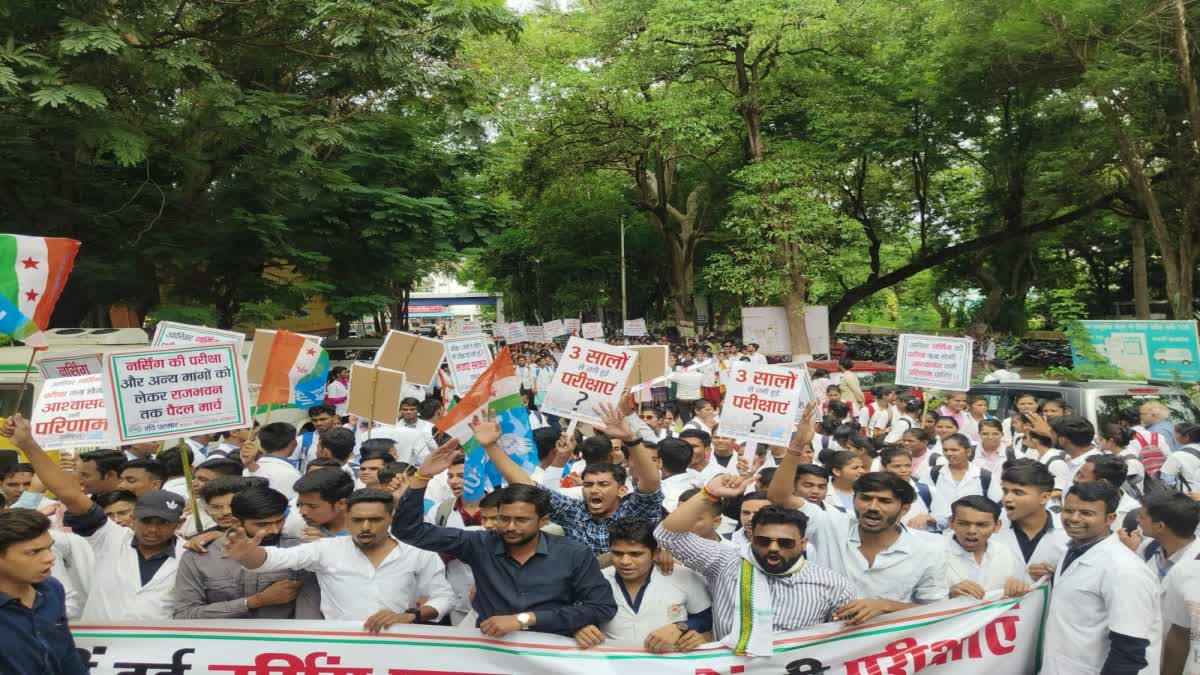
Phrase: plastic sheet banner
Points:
(959, 636)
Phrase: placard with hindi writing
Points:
(553, 329)
(589, 374)
(593, 329)
(934, 362)
(761, 402)
(467, 357)
(70, 412)
(74, 365)
(171, 392)
(172, 334)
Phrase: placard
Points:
(470, 328)
(1164, 350)
(535, 334)
(375, 393)
(634, 328)
(593, 330)
(761, 402)
(768, 327)
(417, 357)
(76, 365)
(467, 357)
(933, 362)
(553, 329)
(589, 374)
(70, 413)
(168, 392)
(574, 327)
(172, 334)
(515, 333)
(651, 363)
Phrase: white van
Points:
(1173, 354)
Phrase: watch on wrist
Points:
(637, 440)
(416, 612)
(682, 626)
(524, 618)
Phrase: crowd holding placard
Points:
(655, 530)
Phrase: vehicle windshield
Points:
(1182, 408)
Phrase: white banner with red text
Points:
(961, 636)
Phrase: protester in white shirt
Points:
(974, 565)
(414, 436)
(1111, 470)
(277, 442)
(990, 452)
(369, 576)
(1182, 468)
(1166, 532)
(1181, 607)
(660, 613)
(958, 479)
(1105, 615)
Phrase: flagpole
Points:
(25, 380)
(191, 489)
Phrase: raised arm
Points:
(782, 491)
(65, 487)
(487, 434)
(408, 523)
(644, 469)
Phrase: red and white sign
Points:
(573, 327)
(467, 357)
(71, 413)
(589, 374)
(761, 402)
(535, 334)
(635, 328)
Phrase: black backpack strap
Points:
(934, 472)
(985, 480)
(925, 494)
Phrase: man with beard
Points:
(769, 572)
(209, 585)
(525, 579)
(368, 576)
(891, 567)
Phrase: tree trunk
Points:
(343, 329)
(793, 304)
(1141, 282)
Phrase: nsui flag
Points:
(497, 389)
(33, 272)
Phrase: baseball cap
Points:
(159, 504)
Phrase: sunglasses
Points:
(785, 543)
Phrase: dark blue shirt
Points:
(561, 584)
(38, 640)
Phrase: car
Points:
(1166, 355)
(1100, 401)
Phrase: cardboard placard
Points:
(70, 412)
(172, 334)
(761, 402)
(589, 374)
(168, 392)
(76, 365)
(651, 363)
(934, 362)
(635, 328)
(375, 393)
(417, 357)
(593, 330)
(553, 329)
(468, 358)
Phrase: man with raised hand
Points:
(604, 493)
(525, 579)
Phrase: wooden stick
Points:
(25, 380)
(191, 489)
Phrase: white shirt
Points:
(198, 449)
(1126, 505)
(337, 389)
(1182, 465)
(353, 589)
(947, 490)
(280, 475)
(758, 359)
(74, 564)
(912, 570)
(664, 599)
(1108, 588)
(999, 564)
(687, 385)
(117, 593)
(678, 484)
(525, 375)
(1181, 606)
(993, 463)
(413, 441)
(1049, 549)
(1073, 466)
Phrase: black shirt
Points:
(86, 524)
(38, 640)
(1028, 545)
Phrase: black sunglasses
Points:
(785, 543)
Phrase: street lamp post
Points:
(624, 311)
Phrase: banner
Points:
(70, 413)
(955, 637)
(1165, 350)
(171, 334)
(467, 357)
(933, 362)
(555, 328)
(83, 363)
(175, 391)
(590, 373)
(761, 402)
(594, 330)
(634, 328)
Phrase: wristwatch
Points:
(416, 612)
(682, 626)
(637, 440)
(524, 618)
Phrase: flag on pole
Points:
(33, 272)
(497, 389)
(293, 359)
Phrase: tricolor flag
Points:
(33, 272)
(497, 389)
(293, 360)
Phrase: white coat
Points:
(1050, 548)
(117, 593)
(1108, 588)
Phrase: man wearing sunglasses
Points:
(769, 572)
